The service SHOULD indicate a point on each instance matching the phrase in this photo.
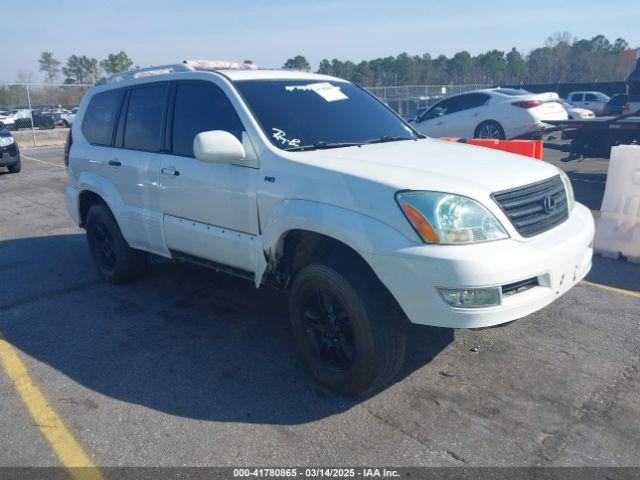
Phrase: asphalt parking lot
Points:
(189, 367)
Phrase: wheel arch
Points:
(94, 188)
(300, 231)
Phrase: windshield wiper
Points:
(323, 145)
(387, 138)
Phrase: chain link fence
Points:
(408, 99)
(39, 114)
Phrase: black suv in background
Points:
(9, 152)
(40, 120)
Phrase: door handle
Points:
(114, 163)
(170, 171)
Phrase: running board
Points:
(218, 267)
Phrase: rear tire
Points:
(362, 335)
(116, 261)
(490, 129)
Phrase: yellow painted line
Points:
(621, 291)
(42, 161)
(69, 452)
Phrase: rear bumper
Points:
(558, 259)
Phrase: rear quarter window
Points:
(100, 116)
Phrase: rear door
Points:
(470, 111)
(210, 210)
(593, 103)
(139, 136)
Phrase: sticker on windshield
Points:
(281, 136)
(329, 92)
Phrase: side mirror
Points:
(217, 146)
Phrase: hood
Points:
(430, 164)
(366, 179)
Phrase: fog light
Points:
(471, 297)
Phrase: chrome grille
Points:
(535, 208)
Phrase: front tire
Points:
(490, 129)
(116, 261)
(349, 329)
(15, 168)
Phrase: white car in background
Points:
(576, 113)
(68, 117)
(502, 113)
(594, 101)
(7, 119)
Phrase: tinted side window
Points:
(472, 100)
(576, 97)
(144, 117)
(457, 104)
(439, 109)
(590, 97)
(200, 107)
(100, 116)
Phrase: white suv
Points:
(308, 183)
(594, 101)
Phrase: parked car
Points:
(9, 152)
(615, 106)
(7, 119)
(308, 183)
(492, 113)
(69, 117)
(576, 113)
(594, 101)
(40, 120)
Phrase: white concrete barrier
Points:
(618, 230)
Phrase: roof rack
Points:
(186, 66)
(148, 71)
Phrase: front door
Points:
(210, 210)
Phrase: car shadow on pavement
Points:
(588, 188)
(183, 340)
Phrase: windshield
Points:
(308, 114)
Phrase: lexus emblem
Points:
(549, 205)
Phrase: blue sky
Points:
(269, 32)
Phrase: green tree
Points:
(49, 65)
(81, 69)
(516, 67)
(620, 45)
(299, 62)
(460, 66)
(325, 67)
(116, 62)
(362, 74)
(493, 66)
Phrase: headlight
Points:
(445, 218)
(6, 141)
(571, 199)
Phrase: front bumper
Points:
(558, 258)
(9, 155)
